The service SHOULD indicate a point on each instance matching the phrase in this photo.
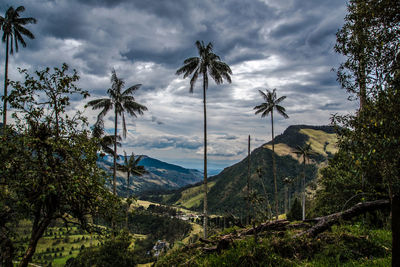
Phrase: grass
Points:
(282, 149)
(197, 230)
(347, 245)
(58, 240)
(192, 196)
(318, 139)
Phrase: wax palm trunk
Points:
(205, 222)
(5, 87)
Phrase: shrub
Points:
(295, 212)
(112, 253)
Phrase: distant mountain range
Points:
(228, 189)
(161, 176)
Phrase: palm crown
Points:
(271, 103)
(131, 166)
(207, 63)
(120, 101)
(12, 26)
(305, 151)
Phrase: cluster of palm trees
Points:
(206, 64)
(120, 101)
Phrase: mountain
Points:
(161, 175)
(228, 188)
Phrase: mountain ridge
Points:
(161, 175)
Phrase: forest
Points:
(312, 196)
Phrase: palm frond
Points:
(24, 21)
(215, 74)
(263, 95)
(98, 103)
(279, 100)
(200, 46)
(131, 89)
(191, 60)
(19, 9)
(133, 107)
(281, 110)
(24, 31)
(188, 69)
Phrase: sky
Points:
(282, 44)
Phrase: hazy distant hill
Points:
(161, 175)
(228, 188)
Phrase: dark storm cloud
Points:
(283, 44)
(227, 137)
(162, 142)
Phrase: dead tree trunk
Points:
(325, 222)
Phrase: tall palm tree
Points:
(121, 102)
(207, 63)
(305, 152)
(131, 166)
(272, 103)
(12, 26)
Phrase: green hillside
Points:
(228, 189)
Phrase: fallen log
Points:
(268, 226)
(325, 222)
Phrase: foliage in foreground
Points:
(48, 162)
(345, 245)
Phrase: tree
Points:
(305, 152)
(131, 166)
(120, 102)
(295, 212)
(370, 36)
(49, 159)
(368, 40)
(207, 63)
(115, 252)
(13, 30)
(272, 103)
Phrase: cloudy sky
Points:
(282, 44)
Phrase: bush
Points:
(112, 253)
(295, 212)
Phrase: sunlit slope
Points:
(322, 142)
(193, 196)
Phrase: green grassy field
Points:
(59, 243)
